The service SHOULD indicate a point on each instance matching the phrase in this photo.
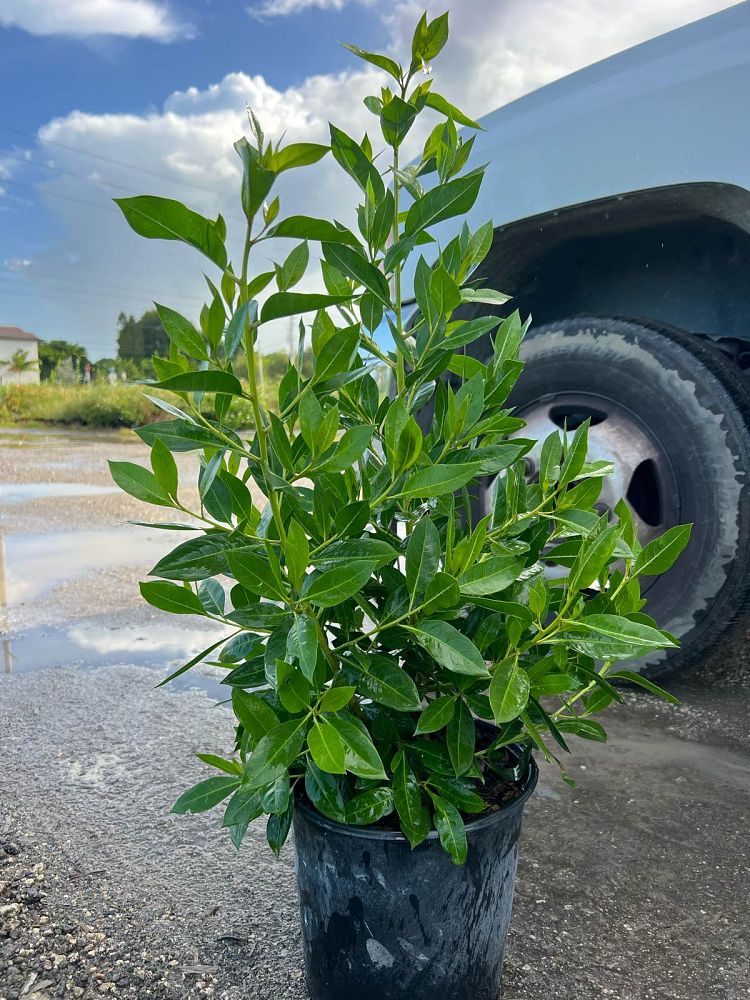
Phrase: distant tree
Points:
(65, 373)
(52, 352)
(138, 339)
(19, 363)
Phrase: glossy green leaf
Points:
(436, 715)
(336, 585)
(451, 648)
(438, 480)
(368, 807)
(460, 738)
(509, 691)
(182, 333)
(172, 598)
(326, 747)
(660, 554)
(451, 829)
(443, 202)
(282, 304)
(422, 556)
(361, 756)
(139, 483)
(166, 219)
(205, 795)
(413, 817)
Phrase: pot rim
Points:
(530, 778)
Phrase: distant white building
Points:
(19, 356)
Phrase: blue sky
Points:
(113, 97)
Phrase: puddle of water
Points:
(161, 646)
(36, 563)
(14, 493)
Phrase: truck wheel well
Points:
(678, 255)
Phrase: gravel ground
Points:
(633, 885)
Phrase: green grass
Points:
(95, 405)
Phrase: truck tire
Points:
(674, 416)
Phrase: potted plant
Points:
(392, 661)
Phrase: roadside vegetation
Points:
(95, 405)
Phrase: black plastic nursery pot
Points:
(383, 922)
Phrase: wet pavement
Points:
(633, 885)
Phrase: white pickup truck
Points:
(621, 201)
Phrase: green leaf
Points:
(443, 202)
(182, 333)
(660, 554)
(139, 483)
(369, 807)
(486, 295)
(243, 808)
(166, 219)
(246, 313)
(298, 154)
(623, 630)
(302, 227)
(384, 62)
(422, 556)
(179, 435)
(593, 557)
(438, 103)
(165, 467)
(221, 763)
(450, 648)
(336, 585)
(294, 266)
(440, 479)
(277, 829)
(169, 597)
(203, 381)
(293, 689)
(587, 729)
(326, 747)
(362, 758)
(354, 265)
(336, 698)
(644, 682)
(196, 559)
(490, 576)
(205, 795)
(460, 738)
(442, 593)
(254, 573)
(460, 792)
(436, 716)
(351, 157)
(282, 304)
(509, 691)
(451, 829)
(385, 682)
(576, 455)
(255, 714)
(413, 817)
(275, 752)
(349, 449)
(337, 354)
(367, 549)
(212, 597)
(324, 793)
(303, 644)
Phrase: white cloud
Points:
(185, 150)
(17, 264)
(84, 18)
(283, 8)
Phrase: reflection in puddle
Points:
(158, 645)
(36, 563)
(19, 492)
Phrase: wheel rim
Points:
(643, 474)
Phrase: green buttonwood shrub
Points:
(372, 622)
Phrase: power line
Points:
(73, 173)
(95, 285)
(110, 159)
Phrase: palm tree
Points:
(19, 363)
